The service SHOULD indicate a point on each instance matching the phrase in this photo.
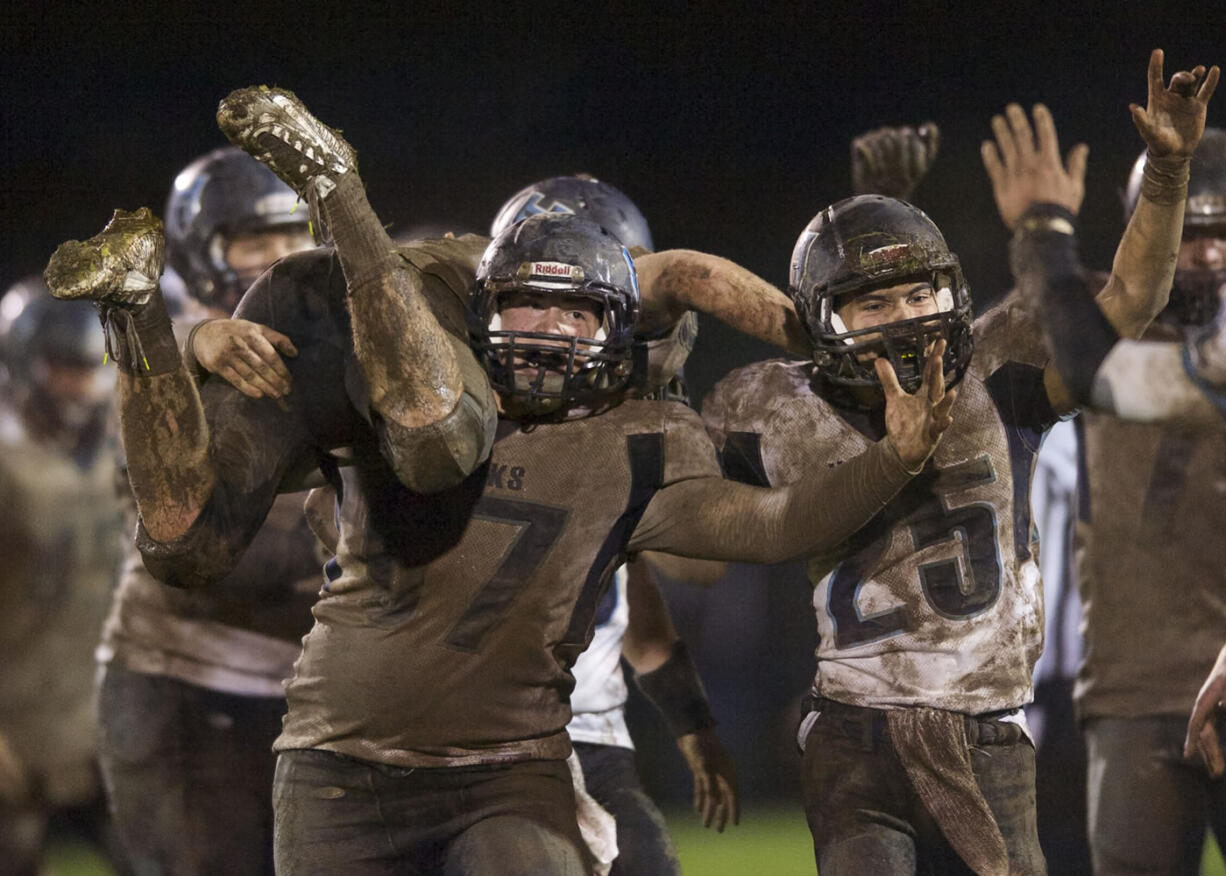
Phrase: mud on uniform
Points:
(61, 552)
(191, 699)
(1151, 565)
(449, 621)
(936, 603)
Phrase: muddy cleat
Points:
(273, 126)
(119, 265)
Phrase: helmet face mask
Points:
(869, 243)
(563, 262)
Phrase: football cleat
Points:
(273, 126)
(119, 265)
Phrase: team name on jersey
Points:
(505, 477)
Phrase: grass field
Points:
(771, 841)
(774, 841)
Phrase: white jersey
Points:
(599, 698)
(937, 601)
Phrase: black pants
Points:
(644, 847)
(337, 814)
(188, 774)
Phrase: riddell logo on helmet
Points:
(885, 254)
(555, 269)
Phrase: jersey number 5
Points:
(956, 588)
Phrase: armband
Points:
(675, 689)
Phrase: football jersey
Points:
(937, 601)
(599, 698)
(450, 622)
(61, 552)
(240, 636)
(1151, 563)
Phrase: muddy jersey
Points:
(1151, 563)
(937, 601)
(450, 622)
(61, 553)
(599, 698)
(240, 636)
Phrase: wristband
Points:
(675, 689)
(1165, 180)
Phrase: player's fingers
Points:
(1209, 85)
(1140, 118)
(1210, 747)
(281, 342)
(239, 382)
(1154, 73)
(733, 799)
(1076, 165)
(930, 132)
(934, 372)
(1184, 82)
(270, 359)
(1023, 136)
(1045, 131)
(889, 380)
(700, 792)
(1004, 141)
(264, 372)
(991, 163)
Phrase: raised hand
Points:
(1024, 164)
(1202, 735)
(914, 423)
(246, 354)
(892, 161)
(1174, 117)
(716, 797)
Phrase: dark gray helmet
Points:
(1195, 292)
(221, 194)
(584, 196)
(865, 243)
(565, 256)
(42, 328)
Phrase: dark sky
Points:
(727, 125)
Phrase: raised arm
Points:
(1039, 197)
(719, 519)
(677, 280)
(436, 410)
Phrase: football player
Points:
(930, 620)
(632, 610)
(1148, 548)
(61, 547)
(190, 696)
(429, 706)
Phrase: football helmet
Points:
(1194, 296)
(52, 352)
(583, 195)
(217, 196)
(869, 242)
(558, 256)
